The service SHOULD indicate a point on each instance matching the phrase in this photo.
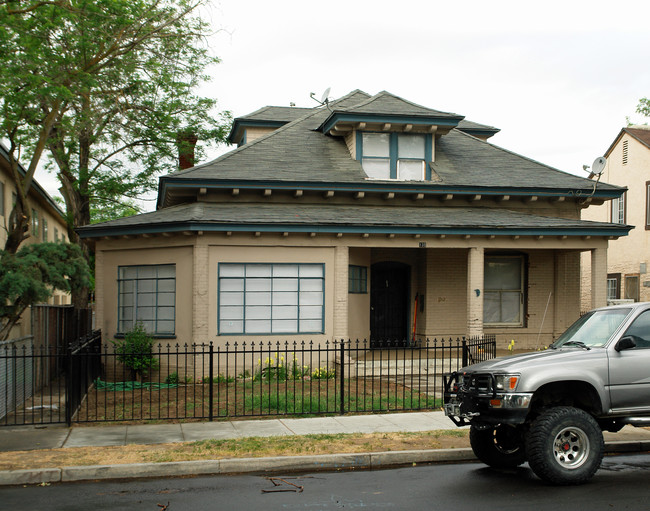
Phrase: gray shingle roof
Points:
(277, 113)
(298, 153)
(387, 103)
(353, 219)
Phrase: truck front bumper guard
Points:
(463, 405)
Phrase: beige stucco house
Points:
(628, 166)
(369, 217)
(48, 221)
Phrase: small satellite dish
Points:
(598, 165)
(325, 95)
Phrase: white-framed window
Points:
(147, 295)
(613, 286)
(400, 156)
(618, 210)
(276, 298)
(503, 303)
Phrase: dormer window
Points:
(394, 155)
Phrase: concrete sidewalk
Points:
(29, 438)
(53, 437)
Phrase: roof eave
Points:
(613, 230)
(418, 120)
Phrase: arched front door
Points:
(389, 304)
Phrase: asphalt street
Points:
(620, 484)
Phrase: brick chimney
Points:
(185, 142)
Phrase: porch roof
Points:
(307, 218)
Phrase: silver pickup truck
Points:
(550, 407)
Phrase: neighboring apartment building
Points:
(628, 166)
(337, 222)
(47, 224)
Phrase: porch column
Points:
(341, 264)
(475, 271)
(200, 305)
(598, 277)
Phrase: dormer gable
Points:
(394, 139)
(250, 127)
(387, 112)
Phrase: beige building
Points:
(628, 166)
(47, 224)
(370, 217)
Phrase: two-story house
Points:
(48, 222)
(628, 166)
(370, 217)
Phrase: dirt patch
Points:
(234, 448)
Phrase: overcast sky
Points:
(558, 78)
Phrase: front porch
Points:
(528, 293)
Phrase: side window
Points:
(640, 330)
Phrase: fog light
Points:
(495, 403)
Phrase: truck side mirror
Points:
(625, 343)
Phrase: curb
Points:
(364, 461)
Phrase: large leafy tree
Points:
(30, 276)
(643, 107)
(107, 89)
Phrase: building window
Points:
(44, 229)
(613, 286)
(504, 290)
(271, 298)
(625, 151)
(647, 205)
(632, 287)
(358, 279)
(147, 295)
(2, 199)
(56, 234)
(400, 156)
(618, 210)
(34, 223)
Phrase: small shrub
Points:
(135, 351)
(172, 379)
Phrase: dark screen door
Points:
(389, 303)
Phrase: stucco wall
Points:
(626, 254)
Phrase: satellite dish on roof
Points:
(324, 100)
(325, 96)
(598, 165)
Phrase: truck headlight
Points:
(506, 382)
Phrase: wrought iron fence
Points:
(247, 379)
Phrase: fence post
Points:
(68, 386)
(210, 392)
(465, 353)
(342, 378)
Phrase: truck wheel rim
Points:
(571, 448)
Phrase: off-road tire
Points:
(499, 447)
(565, 446)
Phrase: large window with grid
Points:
(271, 298)
(147, 295)
(504, 290)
